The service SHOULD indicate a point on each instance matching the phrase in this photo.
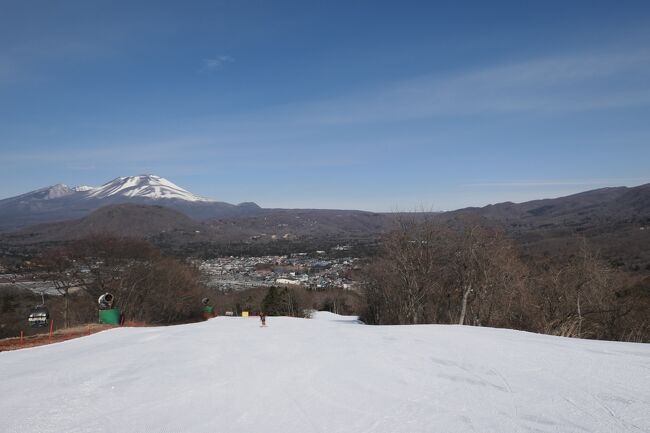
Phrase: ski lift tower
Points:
(39, 317)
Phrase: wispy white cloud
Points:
(582, 81)
(214, 64)
(560, 84)
(85, 156)
(557, 84)
(546, 183)
(567, 83)
(32, 60)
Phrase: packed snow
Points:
(146, 186)
(329, 374)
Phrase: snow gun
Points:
(106, 301)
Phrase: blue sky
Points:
(352, 104)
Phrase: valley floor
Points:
(329, 374)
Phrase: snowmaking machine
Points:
(108, 314)
(208, 310)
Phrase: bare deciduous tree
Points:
(428, 272)
(147, 285)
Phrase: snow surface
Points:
(83, 188)
(147, 186)
(48, 193)
(329, 374)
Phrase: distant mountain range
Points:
(599, 205)
(167, 225)
(616, 220)
(60, 202)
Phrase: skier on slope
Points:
(263, 318)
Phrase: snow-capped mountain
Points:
(56, 191)
(144, 186)
(83, 188)
(48, 193)
(60, 202)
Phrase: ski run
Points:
(328, 374)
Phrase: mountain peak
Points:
(144, 186)
(54, 191)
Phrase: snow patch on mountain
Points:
(144, 186)
(49, 192)
(83, 188)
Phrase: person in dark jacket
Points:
(263, 318)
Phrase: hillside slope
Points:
(128, 220)
(325, 375)
(598, 206)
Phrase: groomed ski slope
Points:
(329, 374)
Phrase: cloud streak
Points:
(559, 182)
(552, 85)
(123, 152)
(580, 82)
(215, 64)
(555, 85)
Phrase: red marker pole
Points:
(51, 328)
(21, 337)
